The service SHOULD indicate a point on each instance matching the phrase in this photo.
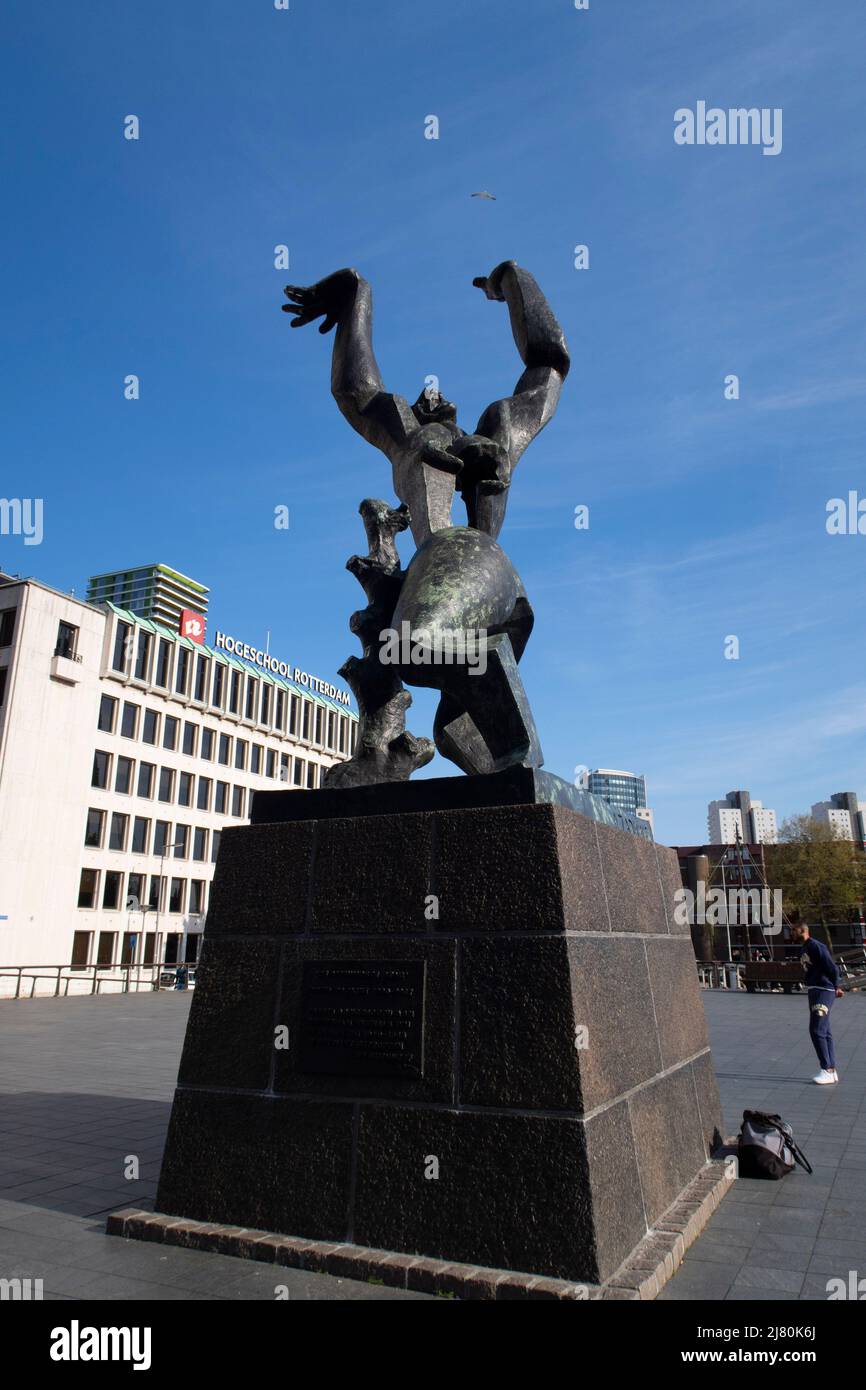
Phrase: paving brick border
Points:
(651, 1264)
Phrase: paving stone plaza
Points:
(87, 1083)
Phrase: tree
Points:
(821, 875)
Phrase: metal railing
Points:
(131, 978)
(727, 974)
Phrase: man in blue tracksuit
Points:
(822, 983)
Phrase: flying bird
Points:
(485, 194)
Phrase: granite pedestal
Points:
(472, 1034)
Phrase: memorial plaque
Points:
(363, 1018)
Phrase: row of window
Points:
(144, 893)
(188, 840)
(173, 667)
(184, 787)
(133, 951)
(196, 741)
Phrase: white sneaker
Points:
(825, 1078)
(835, 1074)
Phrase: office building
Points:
(125, 750)
(624, 790)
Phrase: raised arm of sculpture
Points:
(345, 299)
(512, 423)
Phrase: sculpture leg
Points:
(484, 723)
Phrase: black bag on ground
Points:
(766, 1147)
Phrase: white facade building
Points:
(845, 814)
(737, 816)
(125, 749)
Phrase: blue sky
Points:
(306, 127)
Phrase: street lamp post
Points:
(165, 850)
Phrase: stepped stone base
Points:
(471, 1036)
(653, 1262)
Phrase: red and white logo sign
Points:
(192, 625)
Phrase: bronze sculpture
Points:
(460, 581)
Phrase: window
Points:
(146, 773)
(299, 772)
(280, 715)
(207, 742)
(320, 725)
(271, 764)
(160, 837)
(101, 770)
(175, 897)
(166, 784)
(196, 896)
(184, 661)
(127, 950)
(203, 799)
(169, 732)
(240, 754)
(250, 709)
(294, 710)
(111, 891)
(142, 655)
(107, 714)
(4, 671)
(219, 672)
(225, 749)
(94, 829)
(184, 789)
(7, 626)
(87, 888)
(215, 845)
(308, 710)
(129, 720)
(199, 844)
(140, 835)
(81, 946)
(189, 739)
(163, 663)
(123, 776)
(150, 732)
(237, 801)
(121, 638)
(105, 947)
(222, 791)
(256, 758)
(332, 729)
(266, 702)
(67, 641)
(149, 943)
(284, 767)
(154, 897)
(311, 774)
(181, 841)
(235, 695)
(201, 680)
(117, 834)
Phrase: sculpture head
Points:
(431, 408)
